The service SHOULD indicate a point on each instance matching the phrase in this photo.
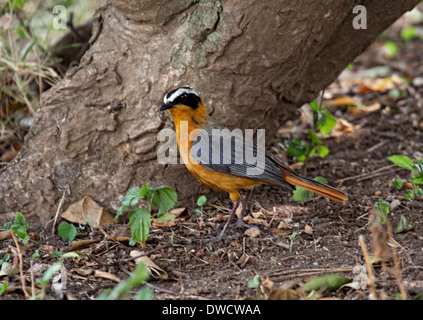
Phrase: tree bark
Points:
(254, 63)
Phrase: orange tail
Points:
(314, 186)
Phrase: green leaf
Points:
(166, 217)
(164, 198)
(402, 161)
(301, 194)
(397, 183)
(314, 139)
(392, 49)
(410, 195)
(136, 279)
(131, 198)
(3, 287)
(323, 151)
(139, 223)
(417, 180)
(144, 190)
(20, 227)
(67, 231)
(383, 207)
(313, 105)
(408, 33)
(403, 225)
(329, 282)
(326, 122)
(201, 200)
(254, 283)
(296, 148)
(144, 294)
(49, 274)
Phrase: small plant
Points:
(122, 290)
(200, 202)
(384, 208)
(324, 122)
(43, 282)
(301, 194)
(3, 287)
(416, 171)
(164, 198)
(20, 228)
(291, 238)
(67, 231)
(254, 283)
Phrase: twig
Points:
(32, 279)
(371, 278)
(369, 175)
(18, 248)
(57, 212)
(397, 270)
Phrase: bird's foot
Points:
(241, 224)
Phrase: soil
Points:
(293, 242)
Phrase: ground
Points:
(295, 241)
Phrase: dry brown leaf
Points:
(308, 229)
(85, 209)
(178, 212)
(5, 235)
(342, 101)
(83, 272)
(154, 270)
(161, 224)
(252, 232)
(81, 244)
(344, 126)
(261, 222)
(282, 294)
(360, 110)
(242, 261)
(284, 225)
(106, 275)
(278, 232)
(258, 215)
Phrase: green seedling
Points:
(384, 208)
(67, 231)
(135, 280)
(254, 283)
(301, 194)
(200, 202)
(164, 198)
(291, 240)
(416, 172)
(20, 228)
(324, 122)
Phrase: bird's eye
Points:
(183, 97)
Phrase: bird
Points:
(228, 169)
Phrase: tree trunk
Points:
(253, 62)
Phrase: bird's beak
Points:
(166, 106)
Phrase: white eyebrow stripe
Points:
(178, 93)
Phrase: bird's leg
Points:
(225, 227)
(240, 222)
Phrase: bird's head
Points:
(183, 103)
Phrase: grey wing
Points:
(228, 151)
